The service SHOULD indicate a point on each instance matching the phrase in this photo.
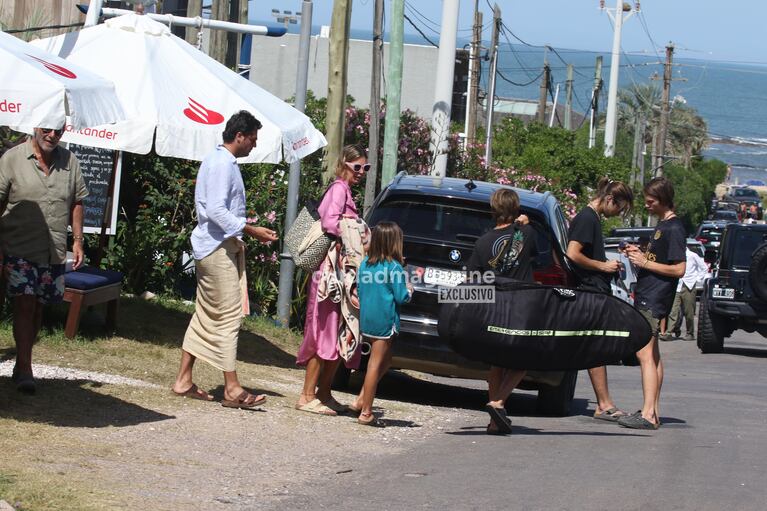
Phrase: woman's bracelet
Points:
(78, 238)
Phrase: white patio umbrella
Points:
(182, 96)
(38, 89)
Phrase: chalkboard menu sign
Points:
(96, 165)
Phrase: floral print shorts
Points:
(27, 278)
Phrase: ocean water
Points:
(729, 96)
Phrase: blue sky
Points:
(702, 29)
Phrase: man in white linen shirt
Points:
(220, 265)
(695, 271)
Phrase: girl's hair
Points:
(505, 205)
(386, 243)
(349, 153)
(618, 190)
(661, 188)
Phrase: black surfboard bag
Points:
(532, 326)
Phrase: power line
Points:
(643, 22)
(420, 31)
(565, 62)
(519, 84)
(426, 19)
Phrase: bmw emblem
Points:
(455, 256)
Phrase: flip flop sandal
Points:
(499, 418)
(194, 392)
(244, 401)
(636, 421)
(374, 422)
(611, 415)
(315, 406)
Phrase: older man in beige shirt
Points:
(41, 191)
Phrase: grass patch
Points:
(46, 464)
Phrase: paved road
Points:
(710, 453)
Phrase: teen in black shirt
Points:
(586, 249)
(660, 267)
(505, 250)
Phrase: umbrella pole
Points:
(105, 217)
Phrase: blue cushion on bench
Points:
(88, 277)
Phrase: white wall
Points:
(274, 61)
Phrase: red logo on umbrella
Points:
(199, 113)
(59, 70)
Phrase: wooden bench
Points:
(91, 286)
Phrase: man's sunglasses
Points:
(356, 167)
(57, 132)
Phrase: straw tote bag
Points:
(307, 223)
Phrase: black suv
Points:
(441, 219)
(736, 297)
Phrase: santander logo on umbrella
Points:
(199, 113)
(59, 70)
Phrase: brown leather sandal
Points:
(244, 400)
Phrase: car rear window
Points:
(725, 215)
(746, 193)
(746, 242)
(436, 221)
(453, 223)
(711, 234)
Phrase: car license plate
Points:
(724, 292)
(440, 277)
(715, 243)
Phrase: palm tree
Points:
(687, 133)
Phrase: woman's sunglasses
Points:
(356, 167)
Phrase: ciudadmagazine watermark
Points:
(445, 282)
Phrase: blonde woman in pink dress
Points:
(319, 351)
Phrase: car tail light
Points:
(553, 275)
(702, 240)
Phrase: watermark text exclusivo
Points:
(466, 294)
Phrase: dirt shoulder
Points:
(84, 442)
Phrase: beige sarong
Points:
(215, 326)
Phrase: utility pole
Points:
(474, 69)
(490, 99)
(595, 103)
(554, 107)
(393, 91)
(569, 98)
(660, 149)
(375, 109)
(219, 39)
(443, 90)
(611, 124)
(287, 267)
(637, 152)
(543, 96)
(193, 10)
(337, 75)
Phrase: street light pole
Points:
(287, 267)
(611, 124)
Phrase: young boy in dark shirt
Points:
(660, 267)
(507, 250)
